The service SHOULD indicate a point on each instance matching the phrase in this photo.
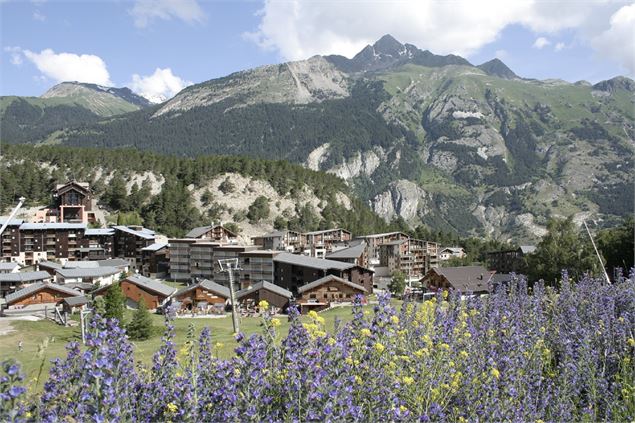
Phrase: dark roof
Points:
(50, 264)
(329, 278)
(464, 278)
(202, 230)
(76, 301)
(155, 247)
(350, 252)
(151, 284)
(32, 289)
(211, 286)
(264, 285)
(312, 262)
(89, 272)
(24, 276)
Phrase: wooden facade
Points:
(264, 291)
(39, 294)
(322, 293)
(134, 292)
(203, 296)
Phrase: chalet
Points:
(73, 203)
(9, 268)
(321, 293)
(355, 254)
(154, 293)
(217, 233)
(275, 295)
(96, 275)
(451, 252)
(155, 260)
(11, 282)
(292, 271)
(465, 279)
(256, 266)
(318, 243)
(38, 295)
(205, 295)
(508, 261)
(289, 241)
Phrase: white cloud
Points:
(559, 46)
(39, 16)
(298, 29)
(541, 42)
(159, 86)
(16, 55)
(501, 54)
(618, 42)
(146, 11)
(69, 66)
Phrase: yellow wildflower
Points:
(379, 347)
(331, 341)
(402, 409)
(219, 345)
(444, 294)
(495, 372)
(263, 304)
(408, 380)
(358, 380)
(451, 363)
(463, 354)
(444, 347)
(540, 421)
(395, 319)
(365, 332)
(28, 415)
(462, 419)
(631, 342)
(172, 408)
(275, 322)
(348, 360)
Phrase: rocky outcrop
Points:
(361, 164)
(402, 198)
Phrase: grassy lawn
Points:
(35, 334)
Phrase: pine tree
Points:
(99, 306)
(397, 283)
(114, 301)
(140, 328)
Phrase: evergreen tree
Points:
(258, 210)
(114, 303)
(99, 306)
(140, 328)
(564, 247)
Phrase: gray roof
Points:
(196, 232)
(264, 285)
(455, 250)
(8, 266)
(80, 285)
(45, 226)
(99, 231)
(325, 231)
(329, 278)
(142, 233)
(212, 286)
(155, 247)
(77, 301)
(116, 262)
(81, 265)
(151, 284)
(50, 264)
(465, 278)
(12, 222)
(312, 262)
(382, 235)
(350, 252)
(91, 272)
(24, 276)
(32, 289)
(527, 249)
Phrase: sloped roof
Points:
(99, 231)
(350, 252)
(464, 278)
(211, 286)
(12, 222)
(142, 233)
(325, 231)
(527, 249)
(383, 235)
(50, 264)
(116, 262)
(312, 262)
(24, 276)
(151, 284)
(76, 301)
(329, 278)
(202, 230)
(80, 265)
(91, 272)
(454, 250)
(155, 247)
(8, 266)
(32, 289)
(264, 285)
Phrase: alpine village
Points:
(396, 236)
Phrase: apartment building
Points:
(130, 242)
(289, 241)
(413, 257)
(319, 243)
(256, 266)
(217, 233)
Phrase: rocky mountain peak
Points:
(388, 46)
(496, 67)
(617, 83)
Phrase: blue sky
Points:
(159, 46)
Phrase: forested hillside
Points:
(162, 189)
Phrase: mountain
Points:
(496, 67)
(103, 101)
(422, 138)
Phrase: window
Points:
(313, 296)
(326, 295)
